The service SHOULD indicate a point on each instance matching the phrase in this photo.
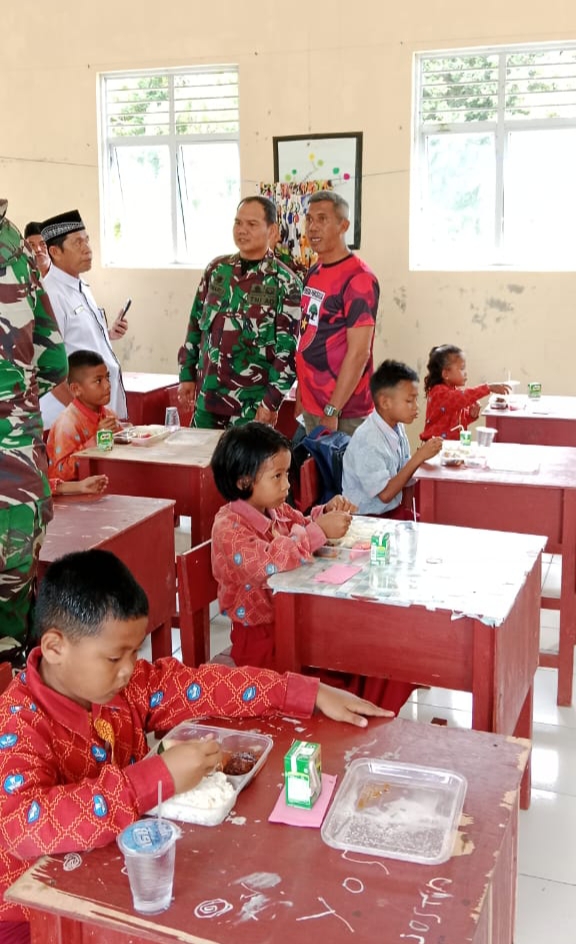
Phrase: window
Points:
(170, 165)
(494, 158)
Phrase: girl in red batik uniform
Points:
(450, 405)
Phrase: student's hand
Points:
(329, 422)
(187, 394)
(264, 415)
(474, 411)
(108, 422)
(334, 523)
(189, 761)
(430, 448)
(339, 503)
(499, 388)
(340, 705)
(93, 484)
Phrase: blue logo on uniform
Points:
(14, 709)
(23, 677)
(237, 558)
(271, 569)
(100, 805)
(13, 782)
(7, 740)
(98, 753)
(32, 706)
(33, 813)
(248, 586)
(193, 692)
(132, 760)
(241, 612)
(249, 694)
(156, 698)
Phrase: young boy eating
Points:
(377, 462)
(73, 726)
(77, 425)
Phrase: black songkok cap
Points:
(61, 225)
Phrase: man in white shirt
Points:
(82, 324)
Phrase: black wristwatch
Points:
(330, 410)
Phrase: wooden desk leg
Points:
(567, 600)
(523, 729)
(427, 500)
(162, 640)
(483, 670)
(286, 647)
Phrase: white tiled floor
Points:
(547, 847)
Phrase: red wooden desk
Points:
(140, 531)
(476, 644)
(181, 473)
(277, 883)
(550, 421)
(148, 395)
(541, 503)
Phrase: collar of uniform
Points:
(86, 411)
(263, 262)
(72, 281)
(391, 433)
(254, 517)
(65, 711)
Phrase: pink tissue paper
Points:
(294, 816)
(338, 573)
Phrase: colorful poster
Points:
(291, 200)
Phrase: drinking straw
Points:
(159, 807)
(414, 510)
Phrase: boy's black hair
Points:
(390, 374)
(81, 590)
(32, 229)
(240, 453)
(78, 360)
(438, 359)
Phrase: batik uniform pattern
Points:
(242, 335)
(66, 788)
(448, 409)
(248, 547)
(74, 429)
(32, 361)
(335, 298)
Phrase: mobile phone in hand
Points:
(124, 310)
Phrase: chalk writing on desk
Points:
(433, 895)
(349, 858)
(212, 908)
(325, 914)
(72, 861)
(353, 885)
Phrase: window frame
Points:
(173, 140)
(421, 259)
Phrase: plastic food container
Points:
(400, 811)
(243, 755)
(146, 435)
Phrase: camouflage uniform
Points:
(32, 361)
(241, 340)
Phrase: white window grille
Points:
(170, 165)
(494, 158)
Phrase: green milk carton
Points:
(303, 774)
(105, 439)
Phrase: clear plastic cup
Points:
(149, 848)
(406, 540)
(172, 418)
(485, 435)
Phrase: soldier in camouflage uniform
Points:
(238, 360)
(32, 360)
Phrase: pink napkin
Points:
(295, 816)
(338, 573)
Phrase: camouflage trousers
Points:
(21, 534)
(204, 420)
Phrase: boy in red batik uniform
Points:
(76, 427)
(73, 726)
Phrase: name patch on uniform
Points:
(265, 296)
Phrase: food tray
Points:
(233, 743)
(400, 811)
(146, 435)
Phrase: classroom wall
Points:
(332, 66)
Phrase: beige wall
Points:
(329, 66)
